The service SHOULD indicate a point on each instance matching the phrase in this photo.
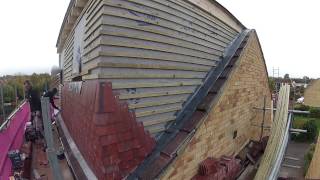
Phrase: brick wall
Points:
(232, 114)
(312, 94)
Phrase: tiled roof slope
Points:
(108, 136)
(178, 135)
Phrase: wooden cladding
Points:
(154, 52)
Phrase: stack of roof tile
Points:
(225, 168)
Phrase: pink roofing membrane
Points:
(12, 138)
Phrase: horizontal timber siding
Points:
(68, 58)
(155, 52)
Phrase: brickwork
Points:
(312, 94)
(112, 142)
(313, 170)
(230, 123)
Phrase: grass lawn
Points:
(299, 121)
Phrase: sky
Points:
(288, 31)
(28, 35)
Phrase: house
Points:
(153, 88)
(312, 94)
(294, 82)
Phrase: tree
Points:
(272, 84)
(286, 76)
(306, 78)
(8, 93)
(311, 128)
(40, 83)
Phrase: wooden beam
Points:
(154, 130)
(142, 75)
(153, 94)
(158, 121)
(147, 66)
(158, 111)
(156, 103)
(126, 85)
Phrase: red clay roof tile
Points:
(156, 167)
(191, 124)
(171, 148)
(112, 142)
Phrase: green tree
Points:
(272, 84)
(14, 83)
(311, 127)
(286, 76)
(8, 93)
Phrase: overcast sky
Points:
(28, 35)
(289, 31)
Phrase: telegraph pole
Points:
(276, 75)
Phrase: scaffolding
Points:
(279, 136)
(274, 152)
(275, 76)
